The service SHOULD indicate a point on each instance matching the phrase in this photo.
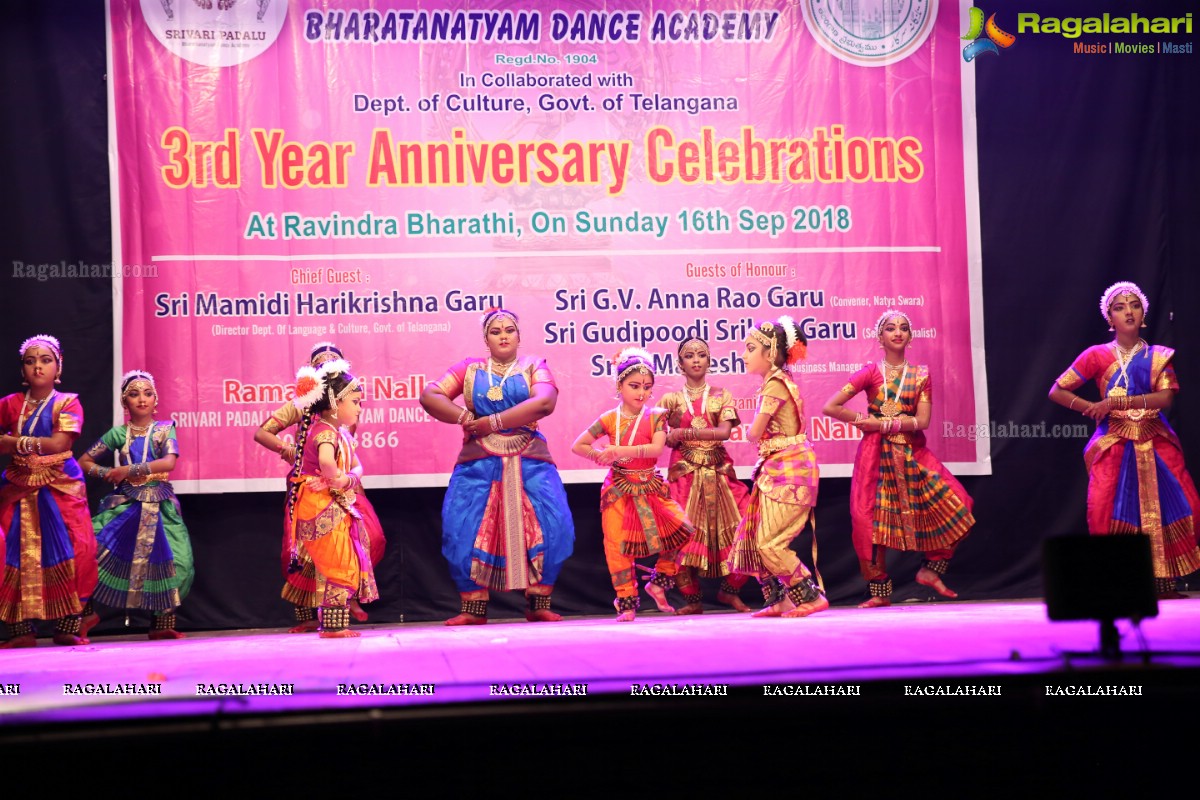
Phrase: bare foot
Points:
(28, 640)
(169, 633)
(344, 633)
(465, 619)
(690, 608)
(927, 577)
(1172, 595)
(876, 602)
(624, 616)
(308, 626)
(659, 596)
(811, 607)
(769, 611)
(357, 611)
(87, 623)
(543, 615)
(69, 639)
(733, 601)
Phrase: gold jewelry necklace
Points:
(632, 430)
(495, 390)
(891, 405)
(37, 412)
(699, 416)
(1124, 356)
(133, 432)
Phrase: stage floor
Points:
(430, 666)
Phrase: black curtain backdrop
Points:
(1087, 173)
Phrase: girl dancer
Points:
(701, 474)
(639, 518)
(326, 526)
(49, 549)
(145, 555)
(301, 586)
(505, 521)
(785, 478)
(1137, 480)
(901, 496)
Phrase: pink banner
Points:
(379, 173)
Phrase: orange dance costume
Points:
(325, 524)
(302, 589)
(638, 516)
(302, 585)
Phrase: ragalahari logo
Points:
(996, 38)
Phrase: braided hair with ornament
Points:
(631, 360)
(783, 340)
(317, 390)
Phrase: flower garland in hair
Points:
(41, 338)
(1120, 288)
(310, 385)
(46, 340)
(497, 311)
(796, 350)
(136, 376)
(337, 366)
(885, 316)
(333, 367)
(133, 374)
(321, 348)
(638, 357)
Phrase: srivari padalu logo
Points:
(215, 33)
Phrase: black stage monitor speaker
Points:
(1104, 578)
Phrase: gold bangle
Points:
(1072, 406)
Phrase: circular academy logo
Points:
(871, 33)
(215, 33)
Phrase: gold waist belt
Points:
(637, 474)
(35, 470)
(1135, 428)
(776, 443)
(1134, 414)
